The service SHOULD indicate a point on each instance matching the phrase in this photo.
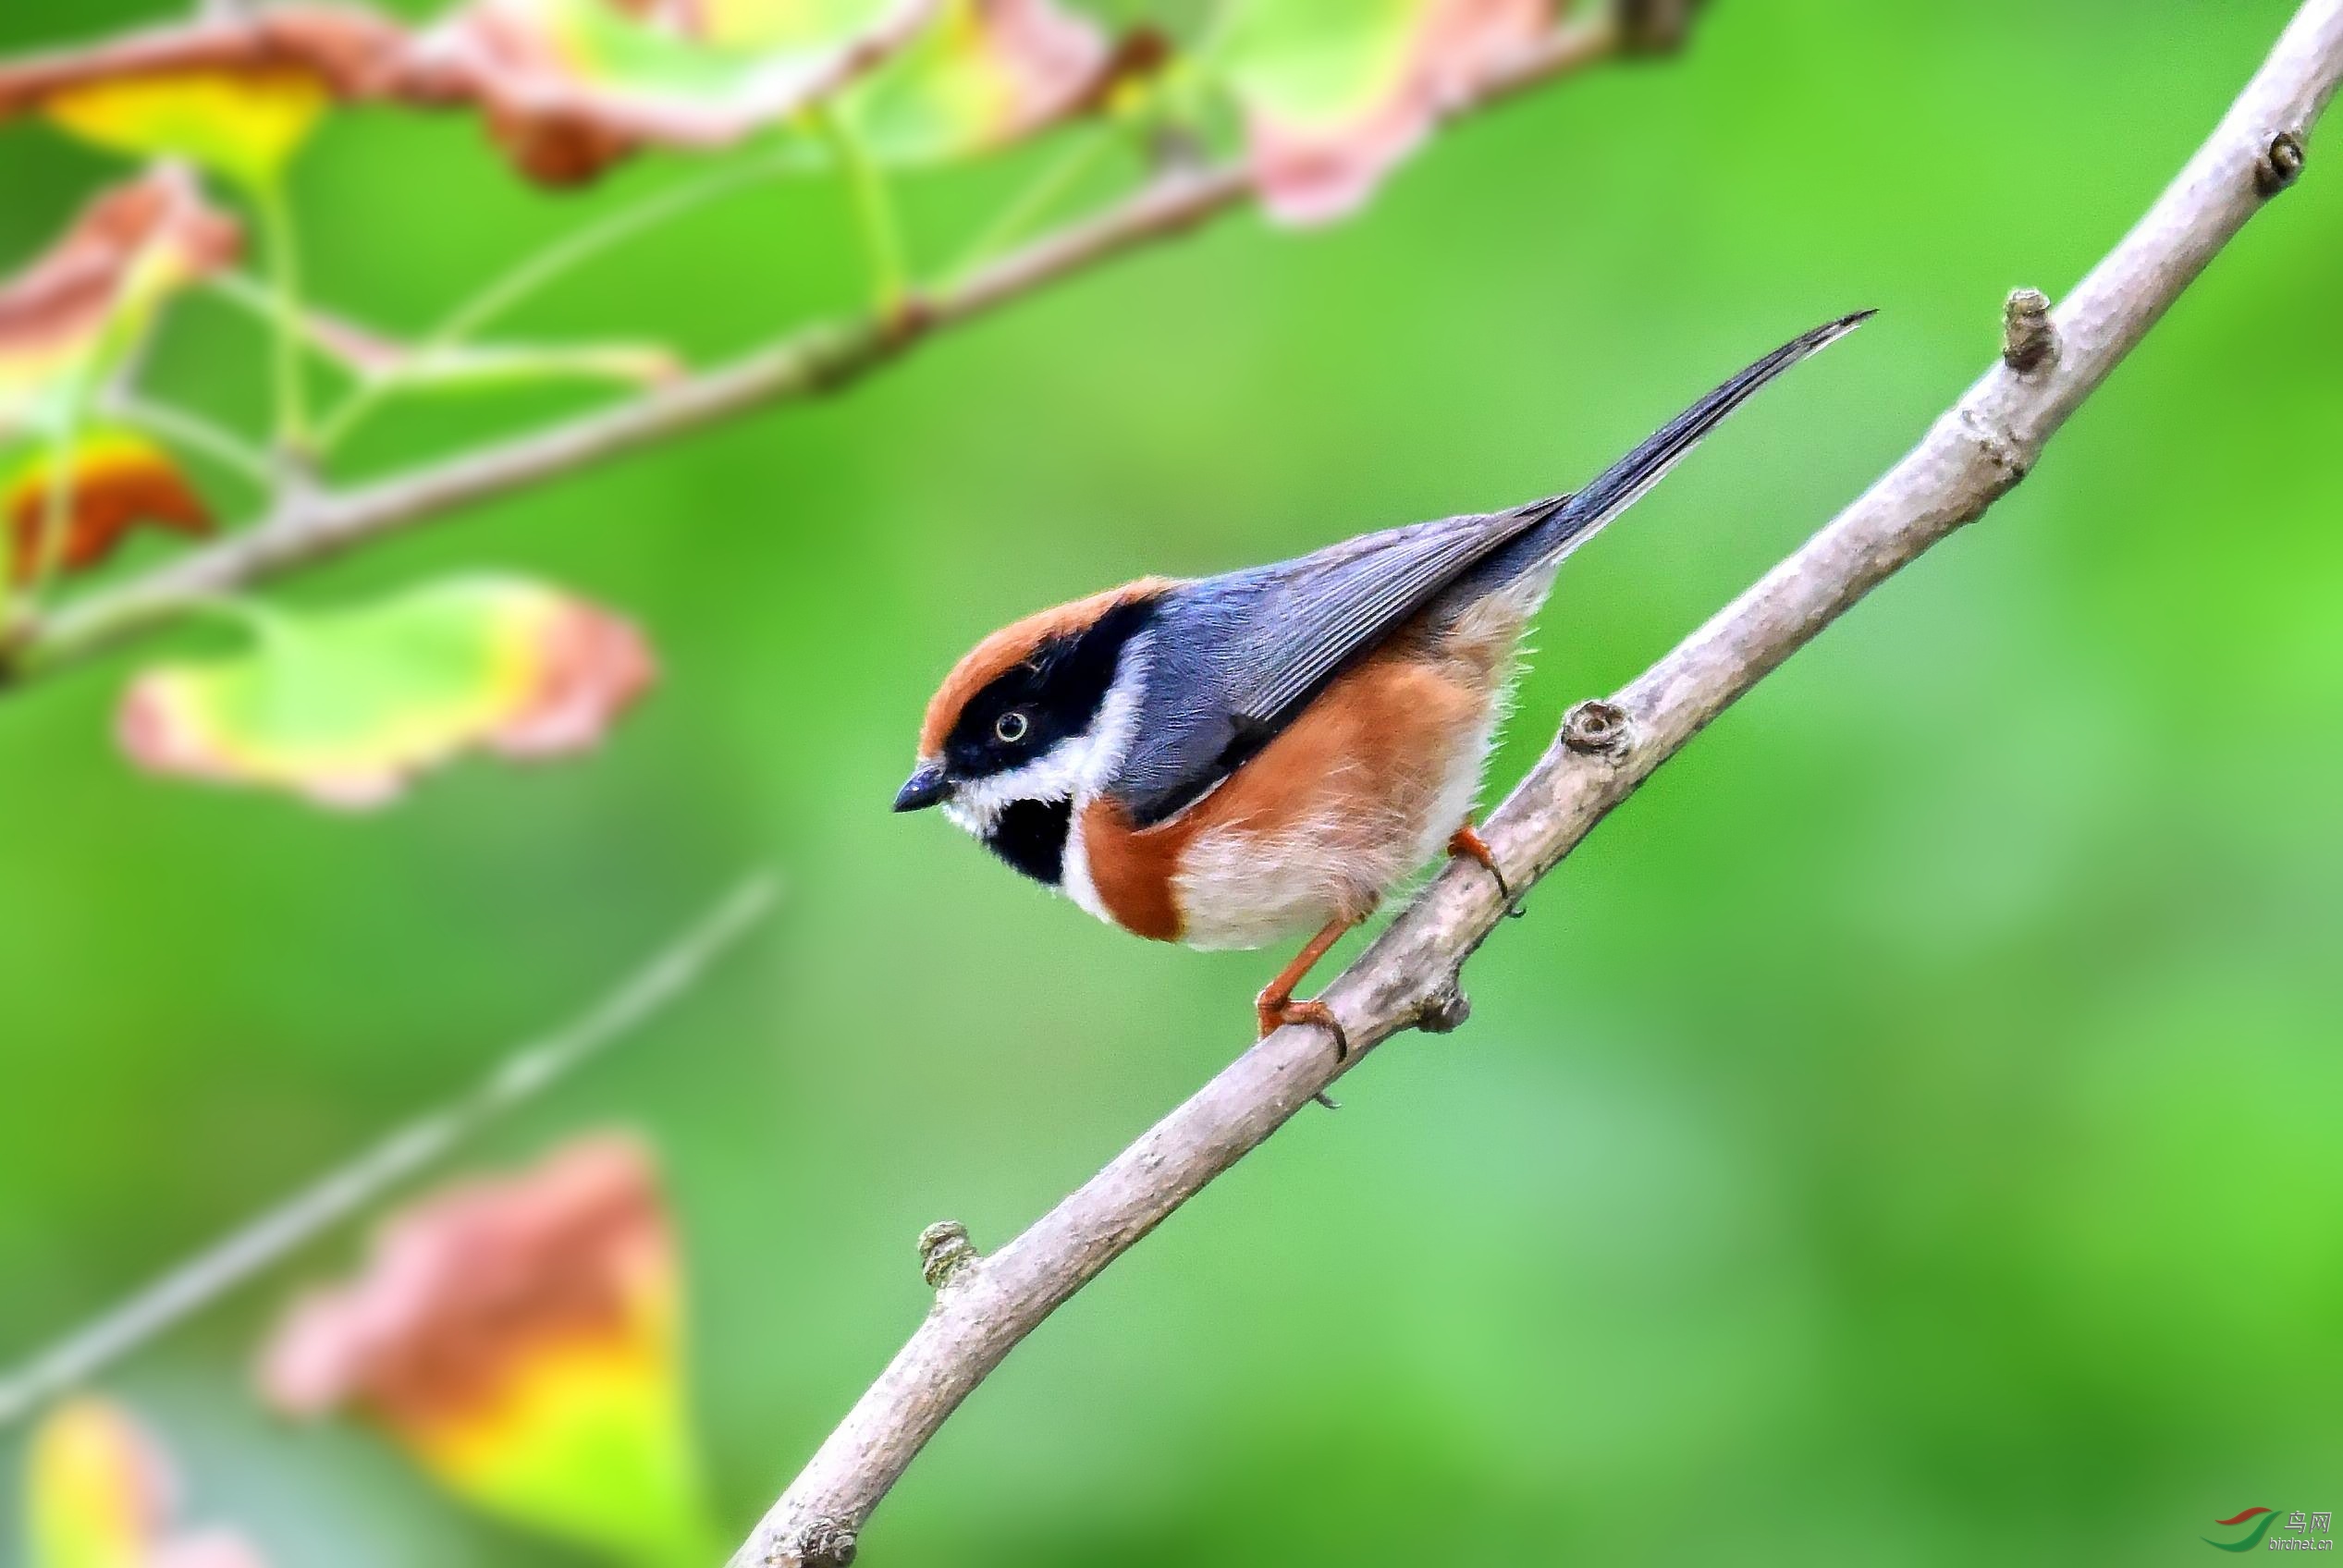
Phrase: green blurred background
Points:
(1904, 1133)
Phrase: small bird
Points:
(1223, 760)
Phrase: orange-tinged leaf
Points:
(112, 482)
(1337, 93)
(519, 1338)
(71, 315)
(345, 709)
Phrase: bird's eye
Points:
(1012, 726)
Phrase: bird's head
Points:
(1034, 721)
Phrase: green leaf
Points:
(983, 74)
(1317, 63)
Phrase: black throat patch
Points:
(1031, 836)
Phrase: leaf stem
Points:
(55, 522)
(535, 274)
(287, 312)
(1034, 202)
(198, 435)
(875, 215)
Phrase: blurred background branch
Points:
(309, 524)
(1410, 976)
(525, 1073)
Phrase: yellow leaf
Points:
(242, 124)
(96, 1489)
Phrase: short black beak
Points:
(923, 788)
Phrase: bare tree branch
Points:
(309, 526)
(1409, 977)
(398, 1158)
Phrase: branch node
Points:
(908, 319)
(944, 1251)
(1597, 728)
(826, 1542)
(2281, 164)
(1999, 447)
(1654, 27)
(17, 641)
(1445, 1010)
(2029, 340)
(1175, 150)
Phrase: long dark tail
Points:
(1623, 484)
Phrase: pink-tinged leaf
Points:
(346, 709)
(1338, 93)
(572, 85)
(70, 316)
(519, 1337)
(568, 87)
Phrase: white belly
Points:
(1238, 888)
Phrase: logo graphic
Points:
(2302, 1531)
(2253, 1540)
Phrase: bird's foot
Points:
(1275, 1012)
(1468, 843)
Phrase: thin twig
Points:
(1026, 210)
(313, 527)
(1409, 977)
(523, 1074)
(535, 273)
(195, 433)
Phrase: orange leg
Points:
(1275, 1007)
(1472, 847)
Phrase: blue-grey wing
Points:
(1234, 659)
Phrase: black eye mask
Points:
(1058, 693)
